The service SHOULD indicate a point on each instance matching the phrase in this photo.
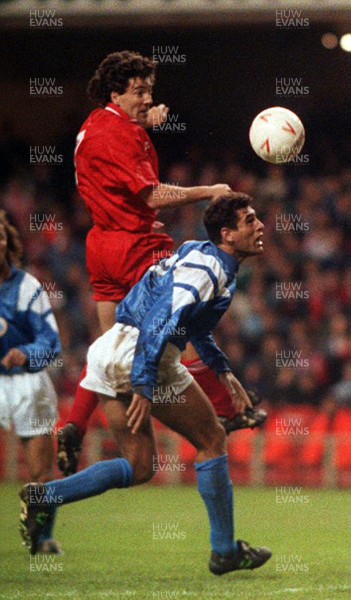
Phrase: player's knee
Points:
(145, 476)
(216, 441)
(143, 472)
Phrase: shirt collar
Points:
(230, 262)
(111, 107)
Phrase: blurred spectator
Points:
(341, 391)
(309, 391)
(284, 388)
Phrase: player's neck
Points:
(232, 252)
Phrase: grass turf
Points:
(152, 543)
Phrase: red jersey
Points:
(115, 160)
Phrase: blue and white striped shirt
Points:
(27, 323)
(179, 300)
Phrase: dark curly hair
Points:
(223, 212)
(14, 251)
(113, 74)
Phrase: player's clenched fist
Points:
(219, 190)
(138, 412)
(156, 116)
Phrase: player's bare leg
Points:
(196, 420)
(39, 452)
(140, 448)
(133, 467)
(71, 436)
(193, 417)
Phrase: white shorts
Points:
(110, 361)
(28, 401)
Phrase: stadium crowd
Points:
(288, 332)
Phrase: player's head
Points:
(232, 224)
(126, 79)
(11, 249)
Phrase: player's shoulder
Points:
(200, 250)
(28, 279)
(32, 295)
(109, 118)
(20, 277)
(92, 119)
(106, 126)
(23, 289)
(204, 255)
(101, 122)
(29, 287)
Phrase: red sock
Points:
(83, 406)
(209, 382)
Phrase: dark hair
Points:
(223, 212)
(114, 72)
(14, 250)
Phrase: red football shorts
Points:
(117, 260)
(213, 388)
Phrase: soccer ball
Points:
(277, 135)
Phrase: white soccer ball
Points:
(277, 135)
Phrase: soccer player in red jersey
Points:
(118, 178)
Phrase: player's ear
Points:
(227, 235)
(115, 97)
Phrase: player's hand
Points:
(14, 358)
(219, 190)
(138, 412)
(156, 116)
(240, 399)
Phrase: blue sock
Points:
(103, 476)
(216, 490)
(47, 530)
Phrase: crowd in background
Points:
(288, 330)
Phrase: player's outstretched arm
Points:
(164, 196)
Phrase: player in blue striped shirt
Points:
(135, 368)
(29, 342)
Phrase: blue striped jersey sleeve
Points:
(187, 308)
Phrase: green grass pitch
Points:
(152, 543)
